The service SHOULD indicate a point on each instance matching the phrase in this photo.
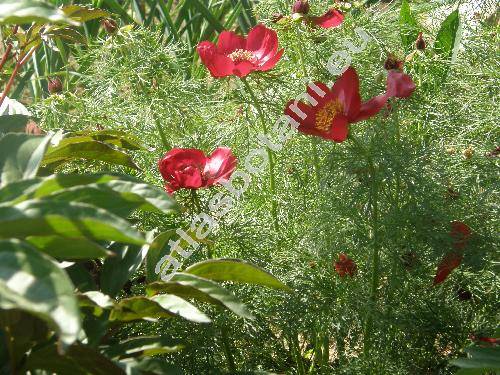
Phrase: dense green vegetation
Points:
(376, 254)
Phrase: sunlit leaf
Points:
(32, 282)
(235, 270)
(64, 248)
(28, 11)
(80, 13)
(190, 286)
(143, 346)
(70, 220)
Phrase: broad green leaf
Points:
(181, 307)
(158, 248)
(11, 107)
(97, 301)
(144, 346)
(117, 270)
(120, 197)
(64, 248)
(28, 11)
(448, 36)
(138, 308)
(408, 26)
(20, 156)
(13, 123)
(79, 360)
(117, 138)
(83, 14)
(70, 220)
(235, 270)
(32, 282)
(189, 286)
(478, 357)
(157, 366)
(75, 148)
(66, 33)
(41, 187)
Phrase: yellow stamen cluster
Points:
(240, 55)
(325, 115)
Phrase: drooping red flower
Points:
(449, 262)
(345, 266)
(239, 56)
(331, 18)
(190, 169)
(341, 105)
(460, 233)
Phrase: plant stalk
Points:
(272, 178)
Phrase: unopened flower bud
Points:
(55, 85)
(110, 26)
(420, 42)
(393, 63)
(301, 6)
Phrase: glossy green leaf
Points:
(11, 107)
(80, 13)
(181, 307)
(117, 270)
(138, 308)
(117, 138)
(20, 156)
(79, 360)
(28, 11)
(75, 148)
(65, 248)
(480, 358)
(144, 346)
(13, 123)
(158, 248)
(66, 33)
(120, 197)
(190, 286)
(157, 366)
(70, 220)
(97, 301)
(32, 282)
(235, 270)
(448, 36)
(408, 26)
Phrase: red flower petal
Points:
(309, 112)
(449, 262)
(321, 99)
(271, 63)
(182, 168)
(243, 68)
(332, 18)
(460, 232)
(371, 107)
(346, 89)
(263, 42)
(339, 130)
(218, 65)
(220, 166)
(399, 85)
(229, 42)
(345, 266)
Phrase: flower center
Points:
(240, 55)
(327, 114)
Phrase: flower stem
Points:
(314, 140)
(272, 178)
(374, 219)
(227, 350)
(163, 137)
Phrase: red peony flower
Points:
(341, 105)
(332, 18)
(460, 233)
(190, 169)
(239, 56)
(345, 266)
(449, 262)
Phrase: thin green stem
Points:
(272, 178)
(228, 352)
(163, 137)
(314, 140)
